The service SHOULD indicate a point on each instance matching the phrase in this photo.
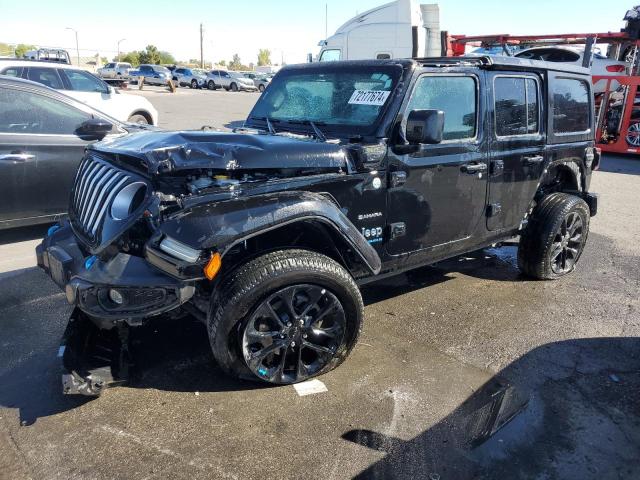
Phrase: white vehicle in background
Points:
(600, 64)
(115, 70)
(400, 29)
(85, 87)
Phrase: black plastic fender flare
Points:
(222, 225)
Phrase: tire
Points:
(249, 305)
(139, 119)
(194, 84)
(211, 85)
(554, 239)
(633, 135)
(234, 87)
(261, 88)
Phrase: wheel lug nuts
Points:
(293, 344)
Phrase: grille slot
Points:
(96, 185)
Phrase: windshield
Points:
(352, 98)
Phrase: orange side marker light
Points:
(213, 266)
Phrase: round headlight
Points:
(128, 200)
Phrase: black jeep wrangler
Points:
(343, 173)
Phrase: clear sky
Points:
(290, 28)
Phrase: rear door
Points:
(518, 153)
(39, 153)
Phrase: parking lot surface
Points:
(440, 346)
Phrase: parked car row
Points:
(85, 87)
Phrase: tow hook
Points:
(93, 359)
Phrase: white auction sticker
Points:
(369, 97)
(310, 387)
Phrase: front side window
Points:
(351, 98)
(84, 82)
(26, 112)
(45, 76)
(331, 55)
(110, 65)
(455, 96)
(571, 107)
(516, 106)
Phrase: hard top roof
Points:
(486, 62)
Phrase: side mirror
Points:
(94, 129)
(425, 127)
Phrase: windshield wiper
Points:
(319, 135)
(269, 123)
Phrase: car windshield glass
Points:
(350, 98)
(161, 69)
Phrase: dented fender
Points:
(222, 225)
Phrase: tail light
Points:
(616, 68)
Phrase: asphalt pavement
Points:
(447, 355)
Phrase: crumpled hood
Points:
(173, 151)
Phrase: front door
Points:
(39, 154)
(517, 148)
(437, 196)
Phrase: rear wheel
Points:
(285, 317)
(139, 119)
(261, 87)
(633, 135)
(554, 238)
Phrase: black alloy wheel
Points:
(293, 334)
(567, 244)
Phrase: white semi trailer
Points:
(400, 29)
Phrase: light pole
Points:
(77, 48)
(121, 40)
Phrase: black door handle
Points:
(534, 160)
(474, 168)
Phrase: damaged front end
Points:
(150, 218)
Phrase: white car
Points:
(600, 65)
(85, 87)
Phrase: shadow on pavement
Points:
(567, 410)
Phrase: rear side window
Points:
(45, 76)
(455, 96)
(516, 106)
(84, 82)
(571, 108)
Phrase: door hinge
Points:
(398, 230)
(497, 168)
(398, 178)
(494, 209)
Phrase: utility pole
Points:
(201, 48)
(326, 21)
(121, 40)
(77, 48)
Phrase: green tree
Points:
(132, 57)
(150, 55)
(166, 58)
(264, 57)
(6, 49)
(222, 63)
(235, 63)
(23, 48)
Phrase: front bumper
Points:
(144, 289)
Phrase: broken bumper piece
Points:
(93, 359)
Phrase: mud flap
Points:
(93, 359)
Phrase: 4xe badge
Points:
(373, 235)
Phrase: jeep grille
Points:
(96, 185)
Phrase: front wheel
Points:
(194, 84)
(234, 87)
(211, 85)
(285, 317)
(261, 88)
(554, 239)
(139, 119)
